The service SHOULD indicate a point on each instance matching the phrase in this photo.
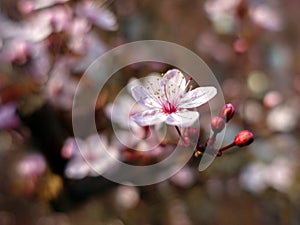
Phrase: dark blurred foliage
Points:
(251, 46)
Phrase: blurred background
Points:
(252, 46)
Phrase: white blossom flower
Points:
(167, 100)
(92, 160)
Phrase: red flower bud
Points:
(227, 112)
(244, 138)
(217, 124)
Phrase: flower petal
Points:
(197, 97)
(176, 77)
(182, 118)
(141, 95)
(149, 117)
(133, 82)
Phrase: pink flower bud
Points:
(217, 124)
(227, 112)
(244, 138)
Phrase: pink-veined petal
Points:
(197, 97)
(133, 82)
(140, 94)
(175, 77)
(182, 118)
(149, 117)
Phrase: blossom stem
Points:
(227, 147)
(147, 132)
(211, 141)
(178, 131)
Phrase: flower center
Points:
(168, 107)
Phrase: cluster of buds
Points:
(243, 138)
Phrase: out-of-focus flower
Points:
(32, 165)
(28, 6)
(282, 119)
(266, 16)
(28, 173)
(52, 27)
(185, 177)
(77, 32)
(33, 29)
(90, 47)
(61, 18)
(258, 176)
(92, 160)
(16, 51)
(99, 16)
(33, 57)
(253, 177)
(126, 197)
(69, 148)
(272, 99)
(222, 14)
(60, 88)
(8, 117)
(167, 101)
(252, 111)
(40, 64)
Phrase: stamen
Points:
(187, 84)
(151, 92)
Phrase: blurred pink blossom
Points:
(60, 88)
(32, 165)
(28, 6)
(266, 16)
(97, 15)
(91, 159)
(8, 117)
(278, 174)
